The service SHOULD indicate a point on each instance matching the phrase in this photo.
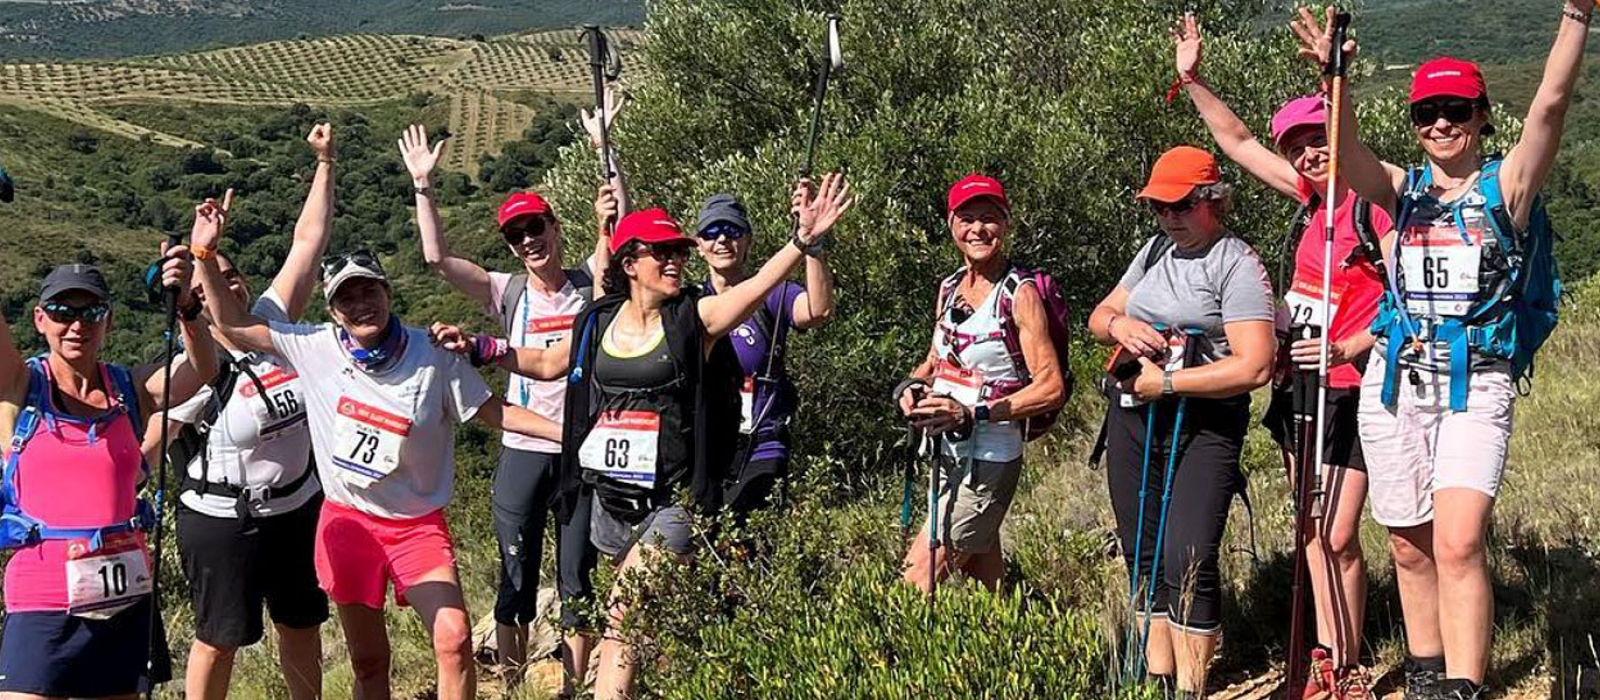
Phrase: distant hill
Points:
(1505, 31)
(36, 29)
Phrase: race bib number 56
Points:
(367, 441)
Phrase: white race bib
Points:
(623, 445)
(367, 441)
(108, 580)
(1305, 302)
(747, 403)
(284, 396)
(963, 385)
(545, 333)
(1177, 351)
(1441, 269)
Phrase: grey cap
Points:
(723, 207)
(359, 264)
(69, 278)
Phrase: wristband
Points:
(486, 349)
(425, 191)
(201, 252)
(330, 159)
(1574, 15)
(192, 311)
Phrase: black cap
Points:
(67, 278)
(722, 207)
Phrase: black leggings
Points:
(1205, 480)
(525, 485)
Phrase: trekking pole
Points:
(834, 60)
(604, 66)
(929, 447)
(1336, 69)
(171, 295)
(1166, 491)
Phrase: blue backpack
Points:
(17, 528)
(1512, 323)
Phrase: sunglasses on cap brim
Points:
(334, 264)
(1456, 110)
(723, 229)
(523, 228)
(66, 313)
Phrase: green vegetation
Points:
(115, 30)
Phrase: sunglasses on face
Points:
(333, 265)
(1455, 111)
(64, 313)
(1178, 208)
(663, 253)
(723, 229)
(522, 229)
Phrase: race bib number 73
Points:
(367, 441)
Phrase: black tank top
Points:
(649, 381)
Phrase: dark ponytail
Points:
(615, 279)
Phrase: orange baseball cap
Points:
(1177, 172)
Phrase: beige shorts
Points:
(970, 524)
(1420, 446)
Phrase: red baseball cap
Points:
(1177, 172)
(1447, 77)
(522, 204)
(650, 226)
(974, 186)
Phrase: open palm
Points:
(420, 159)
(1187, 38)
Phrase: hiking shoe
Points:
(1461, 689)
(1422, 681)
(1319, 675)
(1352, 683)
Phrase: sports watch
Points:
(1166, 384)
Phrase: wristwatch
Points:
(1166, 384)
(980, 413)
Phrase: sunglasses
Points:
(334, 264)
(663, 252)
(522, 229)
(64, 313)
(1456, 111)
(1178, 208)
(723, 229)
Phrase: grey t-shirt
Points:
(1208, 288)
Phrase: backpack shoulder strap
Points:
(582, 280)
(127, 395)
(1159, 245)
(510, 297)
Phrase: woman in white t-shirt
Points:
(382, 402)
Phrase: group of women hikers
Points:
(316, 460)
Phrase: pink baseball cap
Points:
(974, 186)
(1298, 112)
(522, 204)
(1447, 77)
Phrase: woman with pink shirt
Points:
(78, 584)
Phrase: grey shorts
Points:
(970, 523)
(668, 527)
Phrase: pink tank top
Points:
(68, 480)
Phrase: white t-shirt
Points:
(407, 419)
(248, 444)
(539, 321)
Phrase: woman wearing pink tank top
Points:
(78, 586)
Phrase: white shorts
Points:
(1420, 446)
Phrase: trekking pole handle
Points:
(1338, 61)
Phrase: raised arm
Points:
(723, 312)
(1229, 131)
(461, 273)
(1371, 178)
(813, 308)
(1528, 164)
(296, 281)
(227, 312)
(13, 378)
(200, 352)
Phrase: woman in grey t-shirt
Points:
(1198, 296)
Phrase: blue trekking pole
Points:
(1166, 491)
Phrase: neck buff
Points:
(379, 358)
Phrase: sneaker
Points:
(1422, 681)
(1319, 675)
(1461, 689)
(1352, 683)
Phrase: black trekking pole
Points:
(1308, 496)
(171, 298)
(604, 66)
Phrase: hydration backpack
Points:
(19, 529)
(1058, 320)
(1511, 324)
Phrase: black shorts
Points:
(523, 501)
(232, 572)
(58, 655)
(756, 486)
(1341, 438)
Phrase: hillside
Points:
(121, 28)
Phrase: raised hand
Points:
(450, 338)
(817, 214)
(177, 270)
(605, 204)
(1187, 38)
(210, 218)
(420, 159)
(321, 140)
(1316, 37)
(615, 101)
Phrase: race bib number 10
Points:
(108, 580)
(367, 441)
(623, 445)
